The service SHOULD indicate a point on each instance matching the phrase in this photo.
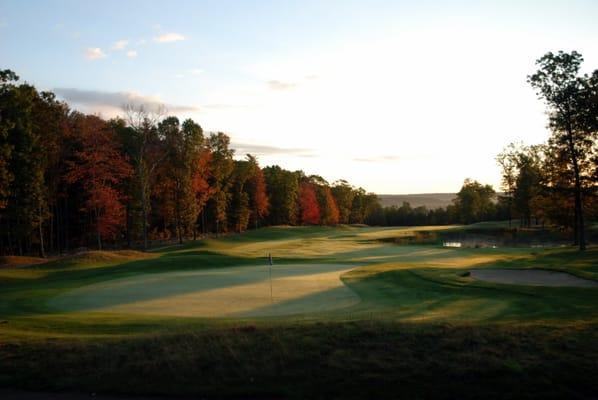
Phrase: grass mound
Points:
(89, 258)
(537, 277)
(20, 261)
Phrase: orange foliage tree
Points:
(308, 204)
(258, 196)
(328, 208)
(99, 166)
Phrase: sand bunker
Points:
(531, 277)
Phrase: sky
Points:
(393, 96)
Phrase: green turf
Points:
(217, 292)
(343, 285)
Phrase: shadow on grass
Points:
(152, 287)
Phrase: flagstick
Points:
(270, 270)
(270, 284)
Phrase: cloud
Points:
(280, 85)
(120, 45)
(222, 106)
(169, 37)
(94, 53)
(132, 53)
(377, 159)
(266, 150)
(111, 103)
(196, 71)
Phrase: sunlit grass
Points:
(386, 281)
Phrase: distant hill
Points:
(430, 200)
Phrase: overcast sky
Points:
(396, 97)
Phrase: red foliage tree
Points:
(308, 204)
(99, 166)
(259, 195)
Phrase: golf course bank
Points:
(342, 312)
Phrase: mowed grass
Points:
(218, 292)
(346, 302)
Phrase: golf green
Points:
(217, 292)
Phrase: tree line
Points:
(70, 180)
(557, 182)
(554, 183)
(475, 202)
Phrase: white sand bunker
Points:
(218, 292)
(536, 277)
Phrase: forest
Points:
(70, 180)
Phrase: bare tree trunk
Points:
(144, 226)
(66, 225)
(579, 220)
(128, 216)
(9, 233)
(52, 229)
(178, 225)
(98, 235)
(2, 249)
(509, 206)
(58, 226)
(144, 214)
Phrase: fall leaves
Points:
(69, 180)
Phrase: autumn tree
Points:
(343, 194)
(474, 201)
(283, 193)
(7, 89)
(521, 179)
(63, 172)
(183, 188)
(329, 213)
(200, 187)
(507, 160)
(527, 184)
(555, 203)
(144, 147)
(308, 204)
(358, 207)
(240, 210)
(99, 167)
(571, 103)
(51, 117)
(221, 167)
(24, 196)
(257, 190)
(364, 205)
